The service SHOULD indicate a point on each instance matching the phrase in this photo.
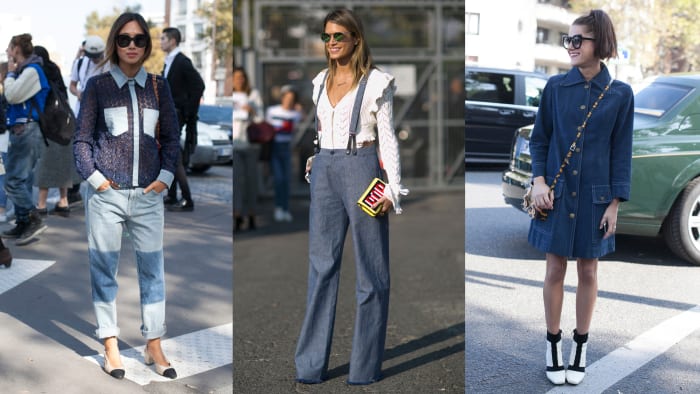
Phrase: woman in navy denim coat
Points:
(582, 208)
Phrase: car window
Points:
(490, 87)
(657, 98)
(533, 90)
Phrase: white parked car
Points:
(213, 147)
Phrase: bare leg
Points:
(586, 293)
(553, 291)
(112, 352)
(43, 195)
(156, 351)
(63, 202)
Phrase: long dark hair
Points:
(246, 85)
(52, 71)
(600, 24)
(111, 48)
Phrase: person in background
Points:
(5, 203)
(26, 88)
(85, 66)
(247, 107)
(187, 88)
(128, 162)
(283, 117)
(55, 167)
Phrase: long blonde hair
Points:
(361, 60)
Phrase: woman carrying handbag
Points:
(581, 148)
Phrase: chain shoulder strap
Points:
(579, 133)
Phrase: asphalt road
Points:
(647, 296)
(425, 338)
(47, 321)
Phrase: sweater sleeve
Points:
(19, 89)
(389, 146)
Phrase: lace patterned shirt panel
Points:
(116, 133)
(376, 123)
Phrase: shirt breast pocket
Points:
(150, 120)
(117, 120)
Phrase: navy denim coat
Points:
(599, 169)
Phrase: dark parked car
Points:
(665, 196)
(497, 103)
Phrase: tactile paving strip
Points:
(189, 354)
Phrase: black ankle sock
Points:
(578, 338)
(554, 337)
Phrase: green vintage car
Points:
(665, 196)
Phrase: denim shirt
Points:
(116, 134)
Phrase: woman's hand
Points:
(104, 186)
(156, 186)
(610, 218)
(386, 203)
(541, 195)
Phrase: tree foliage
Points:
(100, 26)
(663, 36)
(220, 28)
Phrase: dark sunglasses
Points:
(338, 37)
(574, 42)
(140, 40)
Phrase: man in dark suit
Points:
(186, 86)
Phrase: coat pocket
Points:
(117, 120)
(150, 120)
(602, 195)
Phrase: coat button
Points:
(572, 215)
(574, 172)
(602, 198)
(578, 150)
(586, 86)
(582, 107)
(573, 194)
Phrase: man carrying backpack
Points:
(25, 80)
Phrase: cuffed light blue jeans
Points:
(140, 216)
(22, 155)
(337, 181)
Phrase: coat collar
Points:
(574, 77)
(122, 79)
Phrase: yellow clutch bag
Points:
(374, 192)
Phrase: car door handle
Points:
(529, 114)
(506, 112)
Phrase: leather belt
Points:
(114, 185)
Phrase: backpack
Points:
(57, 121)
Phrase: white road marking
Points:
(189, 354)
(625, 360)
(21, 270)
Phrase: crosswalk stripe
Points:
(20, 271)
(626, 359)
(189, 354)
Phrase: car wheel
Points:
(199, 169)
(681, 229)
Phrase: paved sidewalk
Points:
(47, 322)
(425, 338)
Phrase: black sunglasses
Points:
(338, 37)
(140, 40)
(574, 42)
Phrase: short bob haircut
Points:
(599, 23)
(111, 48)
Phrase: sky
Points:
(59, 25)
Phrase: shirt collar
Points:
(574, 77)
(122, 79)
(172, 54)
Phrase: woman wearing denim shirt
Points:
(582, 209)
(126, 148)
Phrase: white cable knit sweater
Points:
(376, 110)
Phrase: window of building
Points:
(197, 60)
(182, 7)
(542, 35)
(473, 21)
(541, 68)
(183, 32)
(198, 30)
